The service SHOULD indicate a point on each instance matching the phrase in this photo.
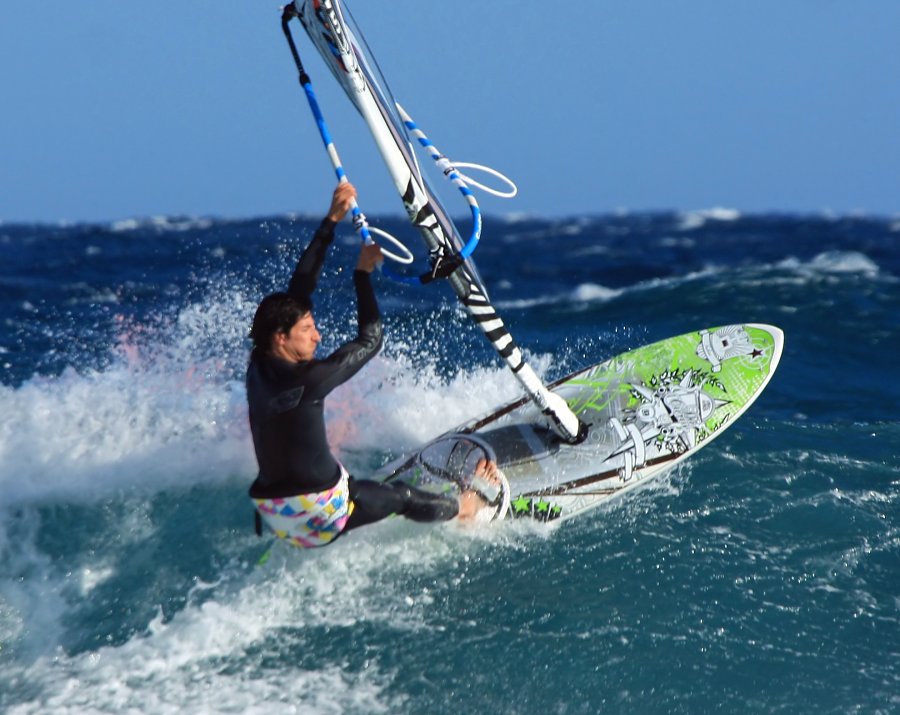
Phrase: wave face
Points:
(761, 576)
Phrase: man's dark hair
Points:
(277, 313)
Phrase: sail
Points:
(341, 45)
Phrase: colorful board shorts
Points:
(309, 520)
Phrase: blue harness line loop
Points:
(452, 175)
(451, 171)
(360, 223)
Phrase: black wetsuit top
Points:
(287, 399)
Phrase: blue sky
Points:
(112, 110)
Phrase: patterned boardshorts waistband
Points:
(309, 520)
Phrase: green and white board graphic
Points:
(647, 409)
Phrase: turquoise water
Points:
(762, 576)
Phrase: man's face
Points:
(300, 342)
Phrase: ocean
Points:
(762, 576)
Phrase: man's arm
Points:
(367, 314)
(309, 267)
(346, 361)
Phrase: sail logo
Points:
(328, 17)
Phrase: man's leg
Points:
(374, 501)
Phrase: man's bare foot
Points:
(472, 501)
(469, 505)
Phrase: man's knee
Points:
(425, 506)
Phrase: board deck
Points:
(647, 410)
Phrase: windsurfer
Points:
(302, 492)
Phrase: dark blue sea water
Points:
(763, 576)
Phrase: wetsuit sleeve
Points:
(306, 273)
(367, 313)
(324, 375)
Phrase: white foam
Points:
(843, 262)
(81, 436)
(587, 293)
(695, 219)
(88, 294)
(163, 223)
(165, 409)
(170, 410)
(245, 648)
(833, 264)
(176, 668)
(397, 402)
(583, 293)
(679, 242)
(591, 292)
(514, 217)
(31, 593)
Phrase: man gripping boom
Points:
(302, 492)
